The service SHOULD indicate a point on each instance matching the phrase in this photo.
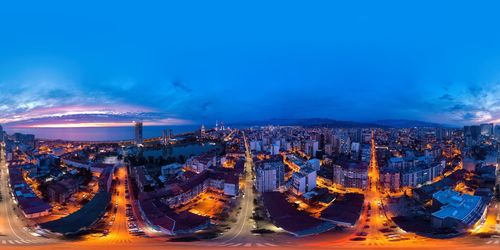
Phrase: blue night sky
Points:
(103, 62)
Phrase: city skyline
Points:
(286, 187)
(177, 64)
(249, 125)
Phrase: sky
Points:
(105, 63)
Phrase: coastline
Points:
(104, 134)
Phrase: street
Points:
(118, 232)
(375, 222)
(13, 230)
(240, 234)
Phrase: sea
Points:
(99, 133)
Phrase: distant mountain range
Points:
(400, 123)
(325, 122)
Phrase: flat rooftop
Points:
(83, 218)
(456, 205)
(345, 210)
(284, 215)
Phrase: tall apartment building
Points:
(138, 138)
(303, 181)
(486, 129)
(270, 176)
(351, 174)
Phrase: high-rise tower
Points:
(138, 133)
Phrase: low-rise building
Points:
(60, 191)
(171, 169)
(201, 163)
(293, 221)
(344, 211)
(30, 204)
(458, 211)
(144, 181)
(75, 163)
(163, 219)
(100, 167)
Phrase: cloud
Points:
(50, 104)
(471, 103)
(446, 97)
(179, 85)
(477, 91)
(98, 119)
(479, 116)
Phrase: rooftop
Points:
(456, 205)
(286, 216)
(345, 210)
(83, 218)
